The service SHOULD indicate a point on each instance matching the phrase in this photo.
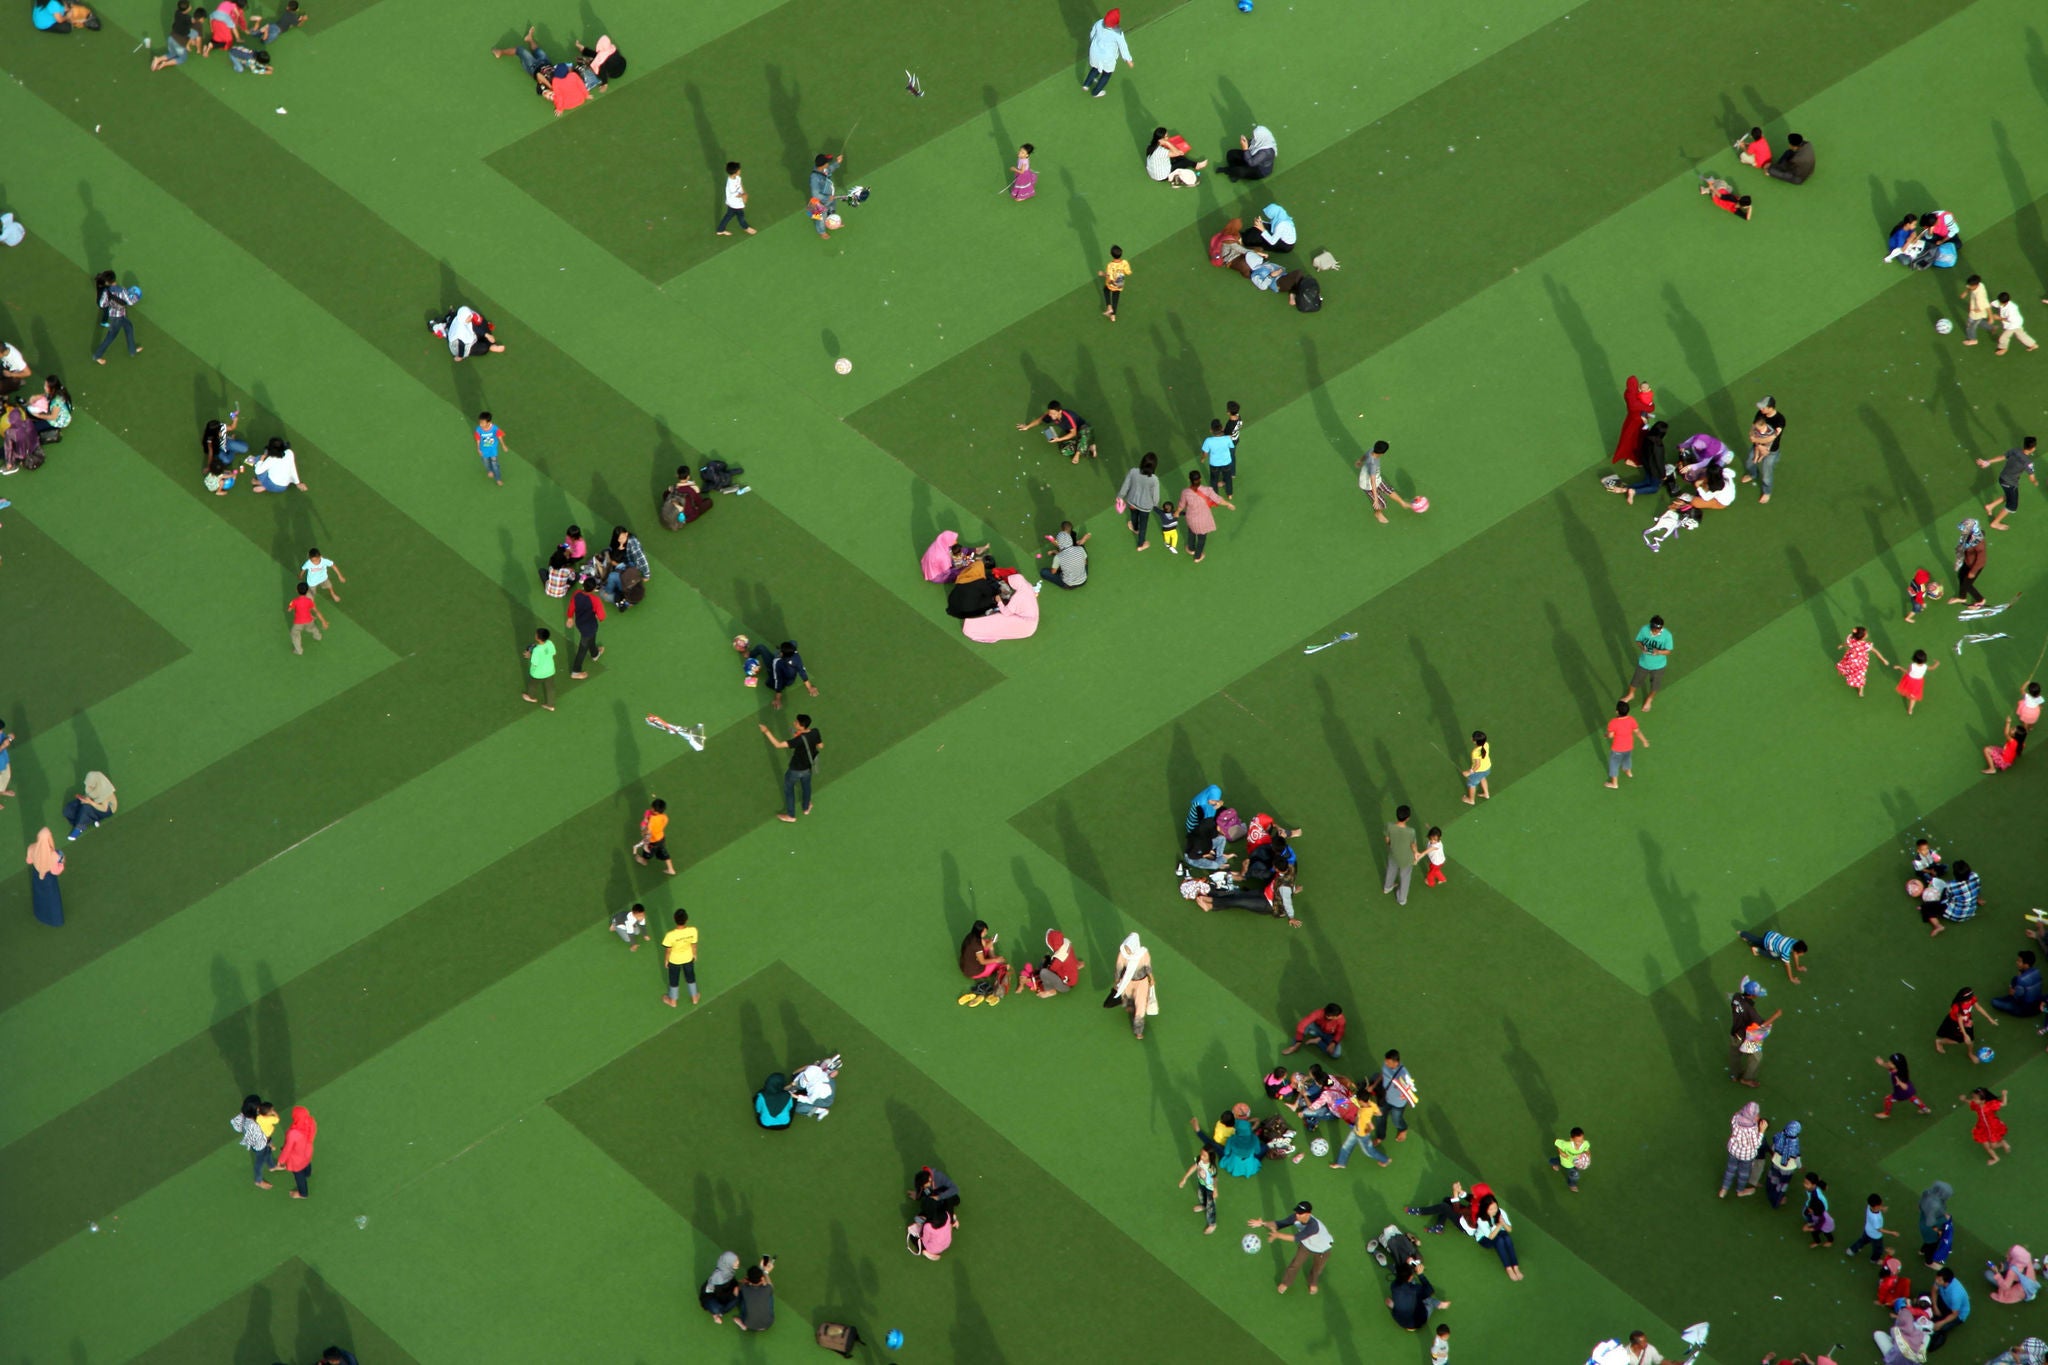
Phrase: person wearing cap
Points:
(823, 192)
(1105, 46)
(1310, 1238)
(1742, 1013)
(1763, 454)
(1795, 164)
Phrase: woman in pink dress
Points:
(1641, 401)
(1197, 509)
(1855, 662)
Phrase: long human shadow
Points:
(1347, 446)
(1907, 483)
(707, 139)
(998, 130)
(1597, 574)
(1081, 220)
(1103, 927)
(2026, 216)
(1700, 357)
(1827, 629)
(1596, 371)
(1579, 679)
(785, 103)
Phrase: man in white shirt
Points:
(813, 1087)
(14, 370)
(1639, 1351)
(2012, 324)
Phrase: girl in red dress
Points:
(1641, 402)
(1913, 682)
(1855, 661)
(1989, 1132)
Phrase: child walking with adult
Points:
(1989, 1130)
(1902, 1089)
(1138, 498)
(1203, 1173)
(1857, 652)
(1432, 852)
(1197, 507)
(254, 1125)
(1480, 768)
(1913, 679)
(1781, 1163)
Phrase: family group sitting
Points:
(992, 603)
(1263, 880)
(1169, 157)
(223, 454)
(1924, 240)
(619, 568)
(781, 1099)
(1249, 252)
(1944, 893)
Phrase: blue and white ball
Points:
(133, 294)
(1985, 1054)
(1244, 6)
(1251, 1243)
(1320, 1147)
(895, 1339)
(1944, 326)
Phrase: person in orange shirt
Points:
(562, 83)
(654, 836)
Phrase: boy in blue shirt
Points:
(1783, 947)
(1874, 1230)
(490, 440)
(1221, 451)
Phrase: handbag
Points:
(1120, 506)
(1112, 1000)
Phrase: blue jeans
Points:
(733, 215)
(1396, 1114)
(806, 1107)
(533, 59)
(1223, 478)
(1353, 1143)
(81, 816)
(1762, 470)
(231, 447)
(1318, 1038)
(1097, 81)
(260, 1159)
(791, 780)
(115, 327)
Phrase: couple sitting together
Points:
(991, 603)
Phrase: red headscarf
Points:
(298, 1143)
(1065, 965)
(1114, 18)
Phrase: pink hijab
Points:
(938, 559)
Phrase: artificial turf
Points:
(369, 880)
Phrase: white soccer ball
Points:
(843, 365)
(1251, 1242)
(834, 222)
(1944, 326)
(1320, 1147)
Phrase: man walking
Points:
(2017, 463)
(1310, 1238)
(585, 612)
(804, 746)
(1653, 650)
(1396, 1093)
(1763, 462)
(1623, 734)
(823, 192)
(1400, 855)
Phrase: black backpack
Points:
(1308, 297)
(716, 475)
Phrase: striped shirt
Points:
(1960, 901)
(1779, 945)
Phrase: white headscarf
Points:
(728, 1267)
(1133, 954)
(1262, 140)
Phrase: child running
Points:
(1959, 1024)
(1482, 766)
(490, 441)
(1913, 685)
(315, 571)
(1922, 590)
(1857, 651)
(654, 836)
(1902, 1086)
(1574, 1155)
(1113, 276)
(1204, 1174)
(1989, 1131)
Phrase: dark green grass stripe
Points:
(721, 103)
(297, 1037)
(290, 1314)
(1535, 166)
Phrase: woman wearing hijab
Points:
(1649, 456)
(1969, 563)
(48, 865)
(297, 1156)
(1906, 1343)
(1105, 46)
(1491, 1229)
(1242, 1148)
(92, 805)
(1060, 972)
(1254, 158)
(1134, 985)
(721, 1293)
(979, 962)
(1783, 1165)
(2018, 1280)
(1271, 232)
(1937, 1229)
(1640, 401)
(931, 1232)
(938, 562)
(2029, 1352)
(974, 593)
(1745, 1136)
(774, 1107)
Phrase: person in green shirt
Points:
(540, 668)
(1653, 651)
(1574, 1154)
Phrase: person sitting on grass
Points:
(56, 16)
(1069, 567)
(1724, 196)
(1069, 432)
(1255, 156)
(1167, 158)
(1795, 164)
(1059, 972)
(1999, 757)
(466, 331)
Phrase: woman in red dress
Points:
(1989, 1131)
(1641, 403)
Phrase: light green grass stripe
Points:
(1942, 1150)
(416, 452)
(210, 587)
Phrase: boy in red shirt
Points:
(303, 612)
(1623, 734)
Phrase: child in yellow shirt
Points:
(1113, 276)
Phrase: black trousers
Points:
(1966, 585)
(585, 644)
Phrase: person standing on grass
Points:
(1433, 850)
(490, 444)
(1969, 563)
(1574, 1155)
(1977, 305)
(297, 1156)
(1767, 435)
(1400, 841)
(785, 670)
(1857, 652)
(1745, 1139)
(804, 745)
(1138, 497)
(2018, 462)
(1623, 734)
(1312, 1243)
(1653, 651)
(1913, 678)
(1640, 401)
(114, 305)
(1221, 453)
(255, 1137)
(1746, 1041)
(823, 192)
(540, 669)
(2011, 324)
(1113, 276)
(1396, 1091)
(315, 571)
(6, 761)
(735, 201)
(1197, 507)
(1372, 481)
(1324, 1028)
(1203, 1172)
(585, 611)
(653, 841)
(679, 951)
(46, 864)
(1874, 1230)
(302, 612)
(1106, 46)
(1481, 767)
